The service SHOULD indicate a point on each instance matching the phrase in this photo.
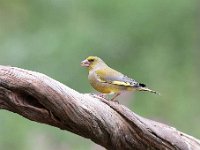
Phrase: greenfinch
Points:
(109, 81)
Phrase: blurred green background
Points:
(155, 42)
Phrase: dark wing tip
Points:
(142, 85)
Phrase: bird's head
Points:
(92, 62)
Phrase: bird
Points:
(106, 80)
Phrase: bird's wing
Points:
(108, 75)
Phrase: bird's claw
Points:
(102, 97)
(99, 96)
(115, 100)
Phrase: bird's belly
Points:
(105, 87)
(102, 87)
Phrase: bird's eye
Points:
(91, 60)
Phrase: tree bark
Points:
(42, 99)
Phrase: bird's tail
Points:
(144, 88)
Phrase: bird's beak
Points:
(85, 63)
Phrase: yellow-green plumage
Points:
(107, 80)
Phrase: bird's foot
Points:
(116, 101)
(114, 98)
(103, 97)
(99, 96)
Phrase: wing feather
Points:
(111, 76)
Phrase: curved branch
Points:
(39, 98)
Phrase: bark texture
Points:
(42, 99)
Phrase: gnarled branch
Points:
(42, 99)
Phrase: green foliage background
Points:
(155, 42)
